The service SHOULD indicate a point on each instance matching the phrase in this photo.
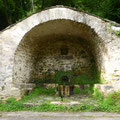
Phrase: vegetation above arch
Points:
(12, 11)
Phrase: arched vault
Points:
(22, 43)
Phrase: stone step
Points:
(28, 85)
(65, 103)
(116, 78)
(115, 82)
(30, 89)
(30, 104)
(106, 89)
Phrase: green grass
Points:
(109, 104)
(38, 91)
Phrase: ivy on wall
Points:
(92, 76)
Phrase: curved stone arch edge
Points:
(15, 33)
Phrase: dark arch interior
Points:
(58, 45)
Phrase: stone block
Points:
(106, 89)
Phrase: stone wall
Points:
(62, 54)
(51, 58)
(23, 65)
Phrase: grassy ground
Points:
(43, 96)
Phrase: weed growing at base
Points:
(117, 32)
(109, 104)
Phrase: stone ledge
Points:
(65, 103)
(25, 85)
(30, 104)
(106, 89)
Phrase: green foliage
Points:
(14, 10)
(57, 78)
(85, 79)
(83, 107)
(43, 91)
(113, 99)
(117, 32)
(82, 79)
(91, 6)
(18, 106)
(39, 91)
(109, 104)
(10, 100)
(48, 3)
(98, 95)
(110, 9)
(91, 76)
(49, 107)
(77, 90)
(87, 90)
(11, 105)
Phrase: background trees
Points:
(13, 10)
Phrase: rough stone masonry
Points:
(35, 45)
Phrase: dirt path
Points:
(24, 115)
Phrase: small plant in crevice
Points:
(98, 94)
(117, 32)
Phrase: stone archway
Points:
(21, 45)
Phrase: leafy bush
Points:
(87, 90)
(98, 95)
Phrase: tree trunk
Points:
(43, 4)
(33, 5)
(8, 16)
